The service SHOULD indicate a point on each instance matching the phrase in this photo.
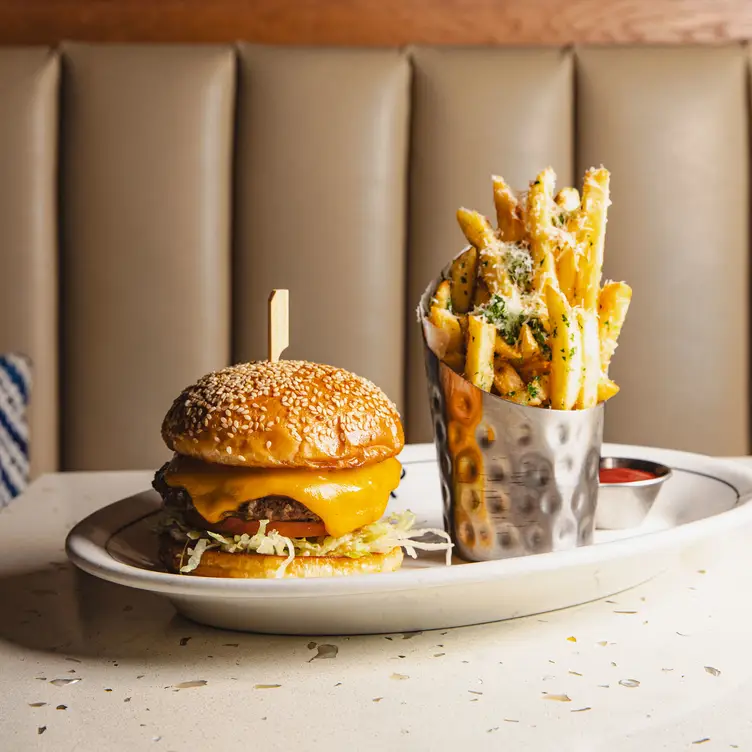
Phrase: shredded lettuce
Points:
(195, 555)
(377, 538)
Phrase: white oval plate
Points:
(704, 498)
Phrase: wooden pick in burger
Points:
(278, 323)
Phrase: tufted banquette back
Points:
(151, 196)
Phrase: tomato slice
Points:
(236, 526)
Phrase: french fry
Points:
(481, 296)
(591, 361)
(566, 351)
(462, 318)
(591, 234)
(463, 272)
(456, 361)
(509, 384)
(567, 273)
(539, 219)
(529, 347)
(446, 321)
(536, 368)
(481, 339)
(477, 228)
(491, 268)
(505, 351)
(508, 212)
(545, 264)
(443, 295)
(606, 389)
(568, 199)
(533, 363)
(537, 389)
(496, 276)
(613, 305)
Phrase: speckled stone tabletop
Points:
(87, 665)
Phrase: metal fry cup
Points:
(516, 480)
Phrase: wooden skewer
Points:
(278, 323)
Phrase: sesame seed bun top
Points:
(284, 414)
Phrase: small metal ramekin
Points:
(625, 505)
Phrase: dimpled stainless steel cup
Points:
(516, 480)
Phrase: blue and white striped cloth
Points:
(15, 385)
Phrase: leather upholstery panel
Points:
(671, 125)
(475, 112)
(320, 205)
(146, 255)
(344, 169)
(29, 80)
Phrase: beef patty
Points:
(272, 508)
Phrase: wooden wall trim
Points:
(378, 22)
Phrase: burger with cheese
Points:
(283, 469)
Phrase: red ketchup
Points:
(624, 475)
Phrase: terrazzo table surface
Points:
(87, 665)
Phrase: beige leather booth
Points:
(150, 197)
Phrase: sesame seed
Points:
(323, 402)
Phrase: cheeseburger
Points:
(283, 469)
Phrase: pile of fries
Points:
(523, 312)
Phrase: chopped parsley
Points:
(540, 335)
(533, 390)
(519, 266)
(508, 324)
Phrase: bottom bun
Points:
(263, 566)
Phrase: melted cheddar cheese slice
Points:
(344, 499)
